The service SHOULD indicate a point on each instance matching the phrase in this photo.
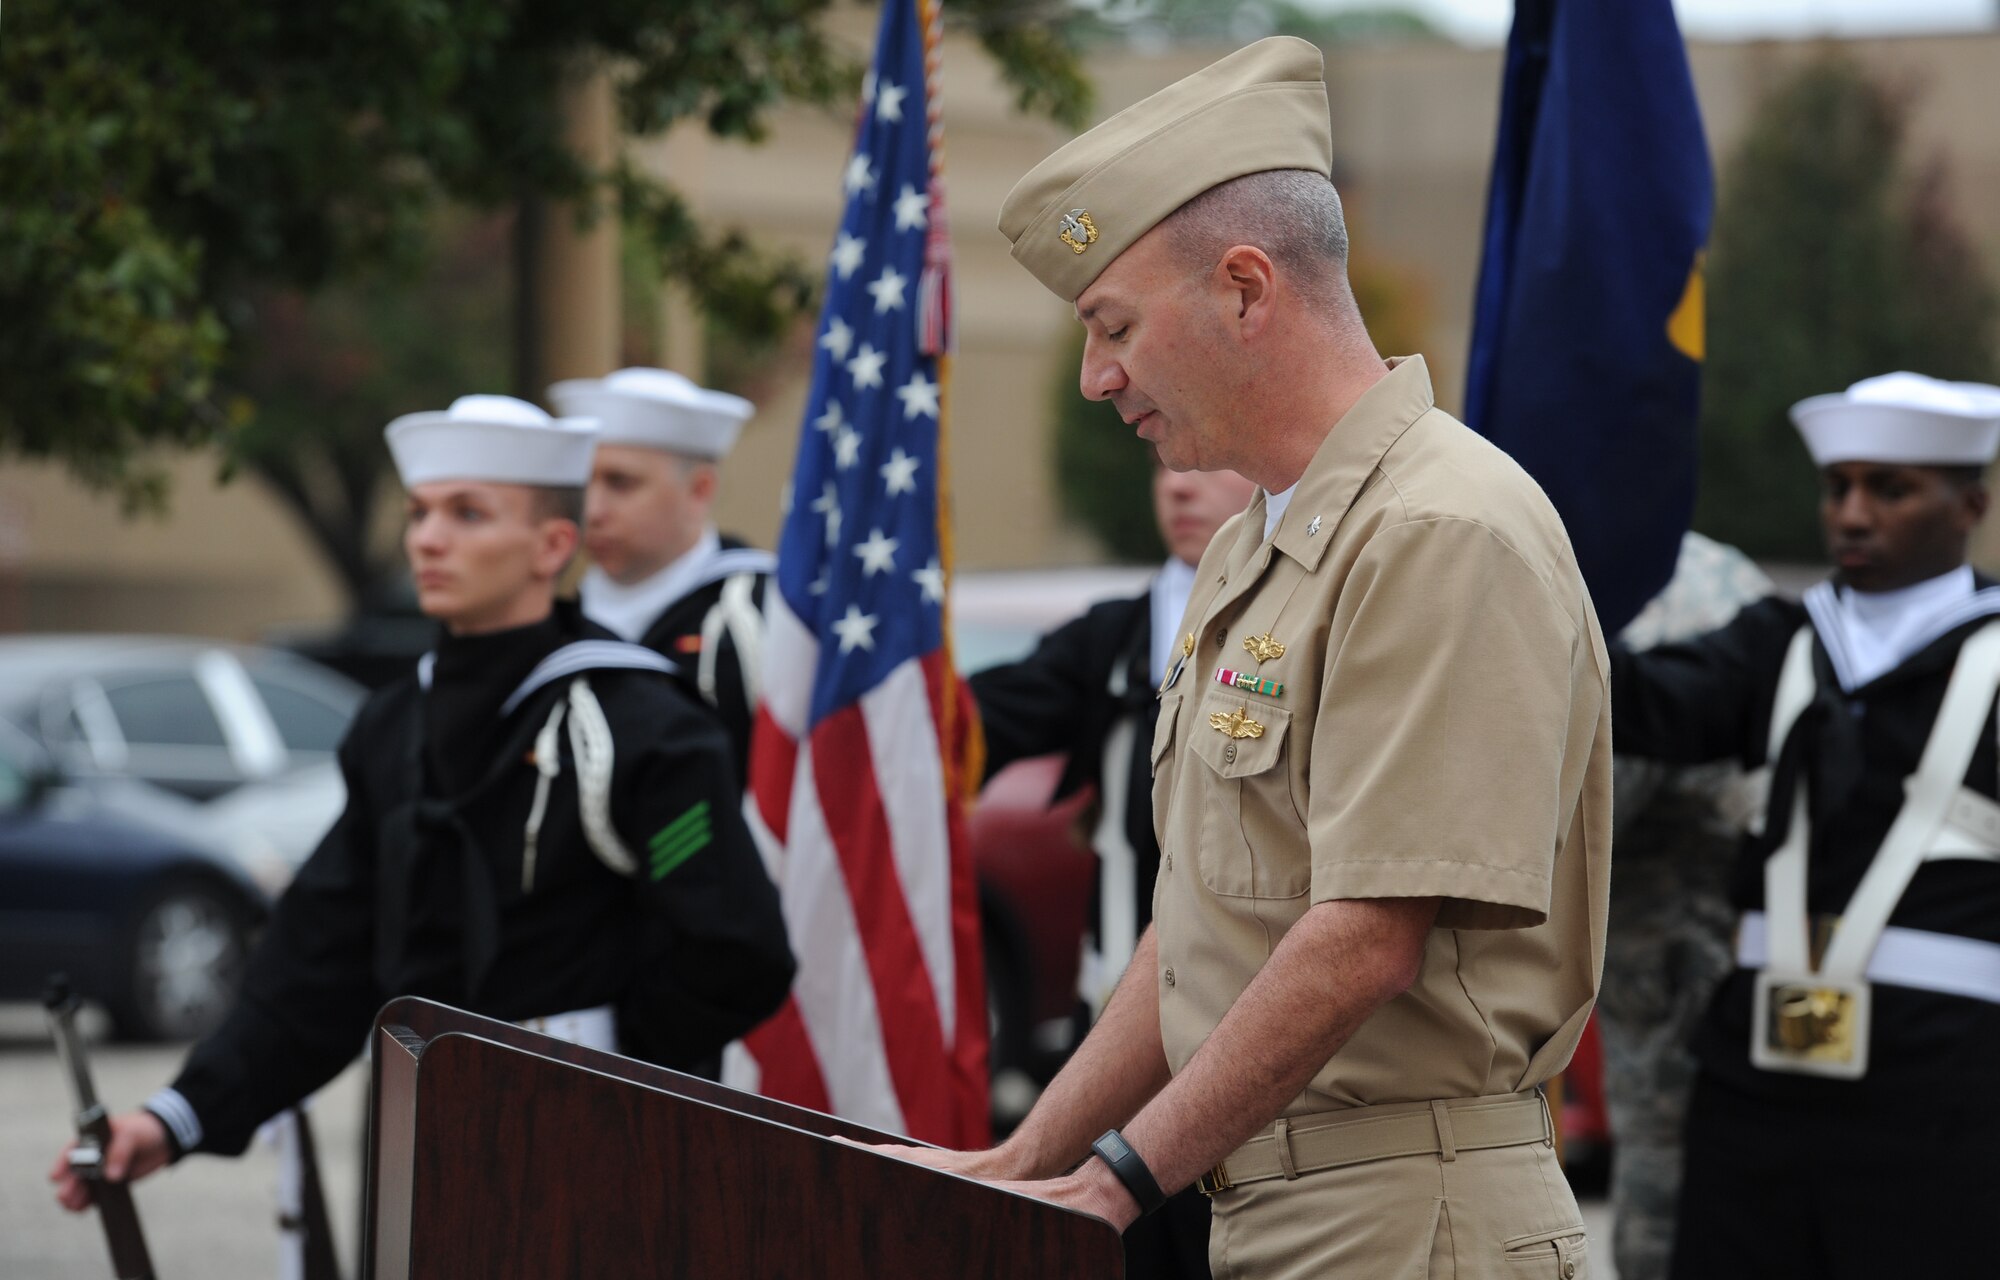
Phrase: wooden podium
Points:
(497, 1152)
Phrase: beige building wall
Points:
(226, 560)
(1413, 129)
(1413, 133)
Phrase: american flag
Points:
(859, 755)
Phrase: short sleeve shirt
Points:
(1401, 693)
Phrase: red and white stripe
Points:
(886, 1023)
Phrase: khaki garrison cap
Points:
(1261, 108)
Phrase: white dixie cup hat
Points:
(497, 439)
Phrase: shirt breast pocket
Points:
(1252, 842)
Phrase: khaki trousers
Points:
(1480, 1215)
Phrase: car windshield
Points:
(168, 710)
(13, 786)
(979, 645)
(305, 721)
(999, 616)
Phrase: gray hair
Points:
(1293, 215)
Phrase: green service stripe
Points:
(697, 815)
(692, 836)
(664, 862)
(694, 817)
(700, 831)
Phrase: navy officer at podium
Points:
(1382, 768)
(540, 825)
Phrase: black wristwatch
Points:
(1129, 1169)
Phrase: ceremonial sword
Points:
(129, 1260)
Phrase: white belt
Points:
(592, 1028)
(1941, 962)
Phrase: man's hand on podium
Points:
(1089, 1188)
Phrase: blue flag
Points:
(1587, 327)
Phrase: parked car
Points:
(374, 646)
(221, 744)
(154, 927)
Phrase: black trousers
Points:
(1854, 1188)
(1171, 1243)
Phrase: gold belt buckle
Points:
(1215, 1181)
(1810, 1025)
(1813, 1020)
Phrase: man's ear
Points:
(1250, 277)
(1976, 499)
(558, 545)
(703, 482)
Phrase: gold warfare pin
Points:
(1263, 648)
(1237, 723)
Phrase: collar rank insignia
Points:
(1312, 526)
(1263, 648)
(1187, 645)
(1236, 724)
(1248, 683)
(1078, 231)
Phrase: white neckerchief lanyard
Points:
(1816, 1022)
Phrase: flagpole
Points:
(961, 745)
(937, 339)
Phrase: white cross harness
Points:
(1815, 1021)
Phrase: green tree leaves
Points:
(168, 169)
(1832, 261)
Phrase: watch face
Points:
(1114, 1146)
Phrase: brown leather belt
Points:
(1299, 1145)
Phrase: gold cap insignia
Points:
(1263, 648)
(1078, 231)
(1237, 723)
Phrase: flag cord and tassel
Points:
(935, 337)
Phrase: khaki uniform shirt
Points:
(1443, 729)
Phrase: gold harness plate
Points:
(1810, 1025)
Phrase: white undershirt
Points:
(1883, 629)
(628, 611)
(1171, 589)
(1274, 509)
